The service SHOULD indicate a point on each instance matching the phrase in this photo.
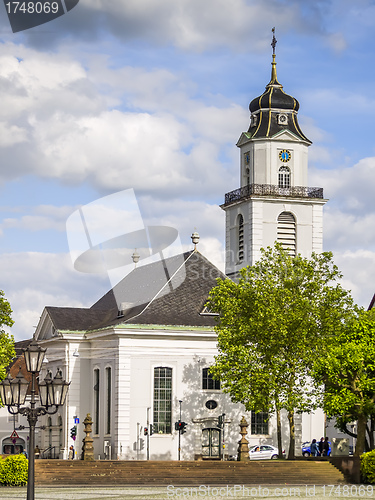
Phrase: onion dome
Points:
(274, 97)
(274, 111)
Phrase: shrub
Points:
(368, 467)
(14, 470)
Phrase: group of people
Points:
(320, 449)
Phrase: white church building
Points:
(146, 362)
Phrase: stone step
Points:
(64, 472)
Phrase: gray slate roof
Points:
(168, 292)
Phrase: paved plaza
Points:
(205, 492)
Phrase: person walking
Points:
(326, 447)
(71, 453)
(314, 448)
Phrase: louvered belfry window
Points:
(240, 238)
(286, 232)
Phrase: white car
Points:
(263, 452)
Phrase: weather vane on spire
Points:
(274, 41)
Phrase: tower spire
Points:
(274, 41)
(273, 72)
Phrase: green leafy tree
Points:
(7, 352)
(348, 372)
(272, 324)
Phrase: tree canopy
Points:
(7, 352)
(348, 372)
(272, 324)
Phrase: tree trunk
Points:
(279, 440)
(361, 435)
(372, 430)
(292, 436)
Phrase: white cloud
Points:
(37, 83)
(72, 135)
(350, 231)
(337, 41)
(358, 268)
(12, 135)
(41, 218)
(34, 280)
(186, 216)
(192, 25)
(351, 188)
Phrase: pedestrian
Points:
(314, 448)
(326, 447)
(71, 453)
(320, 445)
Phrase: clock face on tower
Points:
(285, 155)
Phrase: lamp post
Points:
(52, 394)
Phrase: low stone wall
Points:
(349, 466)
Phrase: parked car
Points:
(264, 452)
(306, 451)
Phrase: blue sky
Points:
(153, 95)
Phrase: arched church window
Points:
(284, 177)
(162, 400)
(286, 232)
(240, 238)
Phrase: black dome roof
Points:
(266, 110)
(274, 97)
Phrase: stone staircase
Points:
(157, 473)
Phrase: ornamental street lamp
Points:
(52, 394)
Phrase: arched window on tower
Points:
(240, 238)
(284, 177)
(286, 232)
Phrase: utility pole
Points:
(223, 435)
(221, 424)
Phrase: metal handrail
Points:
(51, 450)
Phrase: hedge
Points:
(368, 467)
(14, 470)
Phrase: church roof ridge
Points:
(177, 301)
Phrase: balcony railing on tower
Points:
(271, 190)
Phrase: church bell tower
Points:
(273, 202)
